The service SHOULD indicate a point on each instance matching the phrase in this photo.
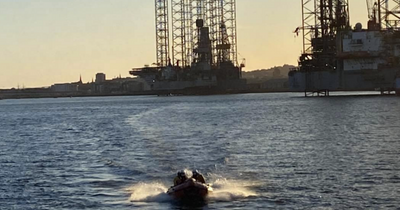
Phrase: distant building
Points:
(68, 87)
(118, 86)
(100, 78)
(127, 84)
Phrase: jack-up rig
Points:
(196, 44)
(337, 57)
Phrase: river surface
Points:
(260, 151)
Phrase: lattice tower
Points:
(211, 20)
(162, 32)
(310, 23)
(229, 14)
(188, 4)
(182, 32)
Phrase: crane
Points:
(372, 9)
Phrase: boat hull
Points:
(190, 190)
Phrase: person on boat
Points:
(180, 178)
(198, 176)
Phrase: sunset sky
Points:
(43, 42)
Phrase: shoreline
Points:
(22, 95)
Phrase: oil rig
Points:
(196, 45)
(338, 57)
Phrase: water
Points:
(277, 151)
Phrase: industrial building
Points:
(338, 57)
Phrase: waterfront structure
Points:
(203, 54)
(338, 57)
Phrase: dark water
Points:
(260, 151)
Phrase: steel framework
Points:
(309, 23)
(200, 12)
(162, 32)
(213, 21)
(229, 15)
(182, 32)
(218, 15)
(389, 13)
(322, 19)
(200, 9)
(221, 19)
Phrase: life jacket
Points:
(177, 181)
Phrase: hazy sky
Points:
(43, 42)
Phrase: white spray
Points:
(223, 190)
(149, 192)
(230, 190)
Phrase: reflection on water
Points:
(277, 151)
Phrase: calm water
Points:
(276, 151)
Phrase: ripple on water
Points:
(259, 150)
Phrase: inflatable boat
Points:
(190, 190)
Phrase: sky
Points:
(43, 42)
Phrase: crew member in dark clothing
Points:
(198, 177)
(180, 178)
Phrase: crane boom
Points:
(369, 6)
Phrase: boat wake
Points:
(224, 190)
(230, 190)
(149, 192)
